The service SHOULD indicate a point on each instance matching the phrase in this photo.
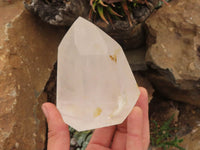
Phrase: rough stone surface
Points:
(8, 12)
(174, 50)
(28, 50)
(191, 141)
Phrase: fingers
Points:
(132, 134)
(96, 147)
(58, 133)
(143, 104)
(134, 130)
(119, 140)
(101, 138)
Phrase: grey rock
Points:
(173, 50)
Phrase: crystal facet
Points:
(95, 85)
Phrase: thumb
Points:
(58, 133)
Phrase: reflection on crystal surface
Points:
(95, 85)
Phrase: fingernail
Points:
(136, 109)
(45, 111)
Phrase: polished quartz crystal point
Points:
(95, 85)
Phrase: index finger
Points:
(143, 104)
(101, 138)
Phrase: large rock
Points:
(28, 50)
(174, 50)
(191, 141)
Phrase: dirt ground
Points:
(186, 116)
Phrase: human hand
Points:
(133, 133)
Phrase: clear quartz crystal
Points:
(95, 85)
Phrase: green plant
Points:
(162, 136)
(82, 138)
(117, 10)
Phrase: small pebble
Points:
(193, 112)
(73, 142)
(192, 66)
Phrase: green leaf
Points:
(94, 6)
(113, 12)
(160, 136)
(101, 14)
